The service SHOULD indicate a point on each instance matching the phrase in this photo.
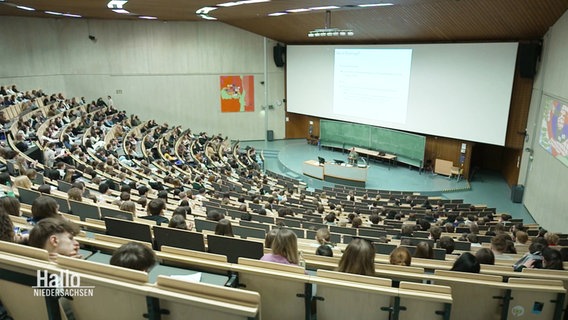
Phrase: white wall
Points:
(546, 179)
(167, 71)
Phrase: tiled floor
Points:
(489, 188)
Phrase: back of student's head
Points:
(178, 221)
(447, 243)
(182, 210)
(424, 250)
(44, 189)
(214, 215)
(466, 262)
(155, 207)
(323, 236)
(358, 258)
(435, 233)
(44, 207)
(6, 226)
(521, 237)
(129, 206)
(270, 235)
(11, 205)
(285, 244)
(485, 256)
(224, 228)
(134, 255)
(246, 216)
(75, 194)
(552, 259)
(400, 256)
(324, 250)
(356, 222)
(499, 243)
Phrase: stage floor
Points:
(489, 188)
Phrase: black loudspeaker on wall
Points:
(279, 55)
(529, 54)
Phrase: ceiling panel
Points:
(407, 21)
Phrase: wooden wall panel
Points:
(449, 149)
(518, 112)
(297, 125)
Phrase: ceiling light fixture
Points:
(116, 4)
(276, 14)
(25, 8)
(238, 3)
(328, 31)
(148, 17)
(384, 4)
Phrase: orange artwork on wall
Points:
(237, 93)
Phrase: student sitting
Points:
(284, 248)
(224, 228)
(56, 235)
(134, 255)
(400, 256)
(466, 262)
(155, 210)
(358, 258)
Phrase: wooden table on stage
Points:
(391, 158)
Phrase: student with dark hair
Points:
(499, 246)
(134, 255)
(270, 235)
(44, 189)
(485, 256)
(56, 235)
(43, 207)
(358, 258)
(178, 222)
(11, 205)
(356, 222)
(466, 262)
(324, 250)
(424, 250)
(447, 243)
(214, 215)
(435, 233)
(246, 216)
(224, 228)
(155, 210)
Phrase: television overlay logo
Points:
(64, 284)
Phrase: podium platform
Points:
(336, 173)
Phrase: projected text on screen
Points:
(372, 83)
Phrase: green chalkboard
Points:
(408, 147)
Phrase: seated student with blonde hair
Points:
(134, 255)
(23, 182)
(400, 256)
(56, 235)
(284, 248)
(358, 258)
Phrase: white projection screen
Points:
(460, 91)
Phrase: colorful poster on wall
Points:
(554, 129)
(237, 93)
